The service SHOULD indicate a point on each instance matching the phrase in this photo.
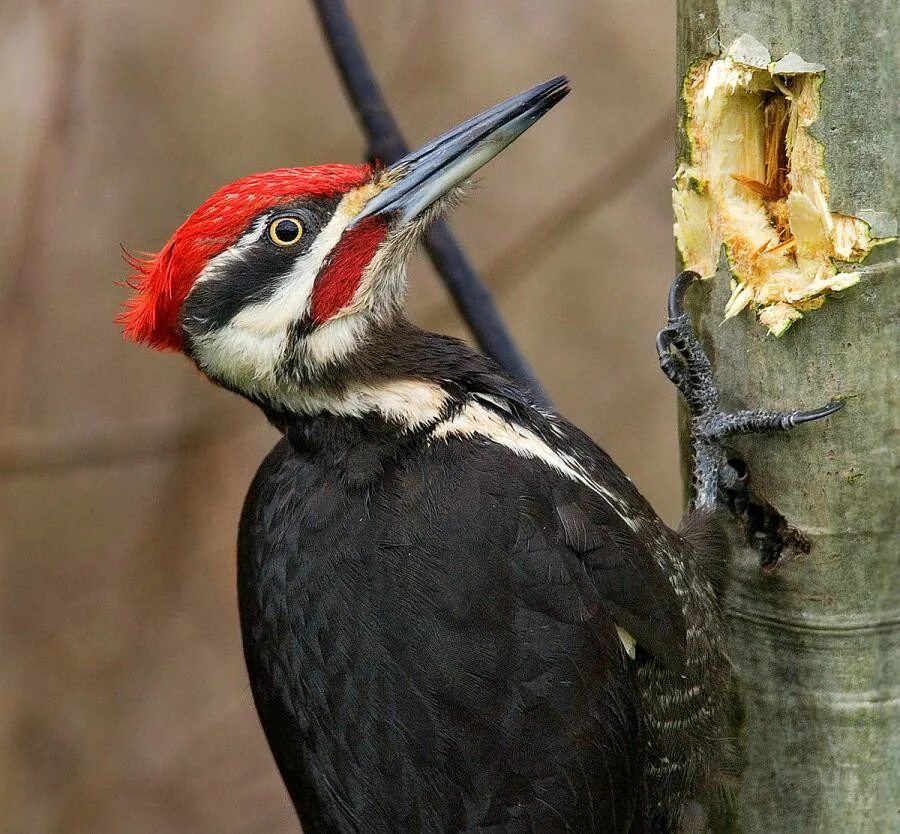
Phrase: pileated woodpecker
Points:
(458, 614)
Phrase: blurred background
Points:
(124, 705)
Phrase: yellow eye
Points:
(285, 231)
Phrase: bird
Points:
(457, 613)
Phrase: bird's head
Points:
(281, 276)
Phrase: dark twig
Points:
(386, 143)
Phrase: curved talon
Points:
(669, 366)
(677, 292)
(719, 424)
(672, 363)
(664, 346)
(798, 417)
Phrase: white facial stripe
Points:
(240, 359)
(334, 340)
(476, 420)
(255, 232)
(411, 403)
(290, 301)
(246, 352)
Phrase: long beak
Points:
(425, 175)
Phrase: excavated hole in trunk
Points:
(765, 529)
(755, 185)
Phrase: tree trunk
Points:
(813, 601)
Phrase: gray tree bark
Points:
(814, 636)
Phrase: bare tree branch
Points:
(387, 144)
(26, 450)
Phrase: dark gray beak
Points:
(425, 175)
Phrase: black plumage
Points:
(430, 623)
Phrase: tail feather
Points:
(706, 535)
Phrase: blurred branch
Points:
(387, 144)
(27, 450)
(47, 152)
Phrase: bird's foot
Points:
(685, 363)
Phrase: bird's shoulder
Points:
(573, 522)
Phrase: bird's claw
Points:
(685, 363)
(798, 417)
(721, 424)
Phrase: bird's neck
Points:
(400, 381)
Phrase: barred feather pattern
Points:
(686, 714)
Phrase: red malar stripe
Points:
(337, 284)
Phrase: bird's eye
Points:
(285, 231)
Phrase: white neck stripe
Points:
(476, 420)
